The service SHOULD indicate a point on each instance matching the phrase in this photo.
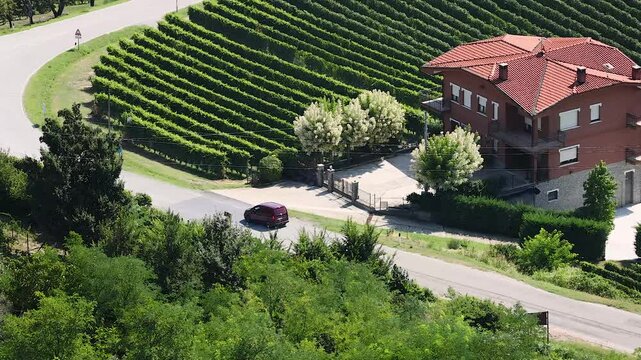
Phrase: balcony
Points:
(524, 140)
(437, 106)
(632, 156)
(632, 120)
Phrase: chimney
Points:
(503, 71)
(580, 74)
(636, 72)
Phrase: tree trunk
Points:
(61, 6)
(28, 9)
(92, 3)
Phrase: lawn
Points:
(47, 18)
(472, 254)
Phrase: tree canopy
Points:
(599, 201)
(447, 161)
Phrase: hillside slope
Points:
(223, 88)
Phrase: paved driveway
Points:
(620, 244)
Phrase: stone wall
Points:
(571, 187)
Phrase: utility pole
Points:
(426, 131)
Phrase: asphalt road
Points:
(24, 53)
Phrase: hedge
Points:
(635, 275)
(587, 236)
(483, 214)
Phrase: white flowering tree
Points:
(319, 129)
(357, 125)
(447, 160)
(388, 115)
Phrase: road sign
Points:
(543, 319)
(78, 34)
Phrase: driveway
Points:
(620, 245)
(390, 179)
(23, 53)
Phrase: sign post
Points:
(543, 319)
(78, 37)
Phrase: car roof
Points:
(272, 205)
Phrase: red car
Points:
(270, 214)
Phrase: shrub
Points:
(637, 240)
(508, 251)
(270, 169)
(425, 200)
(545, 251)
(599, 201)
(570, 277)
(313, 247)
(483, 214)
(455, 244)
(611, 275)
(587, 236)
(290, 159)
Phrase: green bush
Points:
(587, 236)
(290, 159)
(611, 275)
(545, 251)
(270, 169)
(483, 214)
(508, 251)
(623, 271)
(455, 244)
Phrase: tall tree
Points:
(599, 201)
(447, 161)
(77, 187)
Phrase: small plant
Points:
(508, 251)
(455, 244)
(545, 251)
(270, 169)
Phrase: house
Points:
(547, 108)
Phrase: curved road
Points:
(22, 54)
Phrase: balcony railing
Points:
(632, 156)
(632, 120)
(438, 105)
(524, 140)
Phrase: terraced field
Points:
(222, 89)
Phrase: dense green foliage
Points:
(13, 185)
(77, 186)
(627, 280)
(637, 240)
(587, 236)
(270, 169)
(545, 251)
(599, 200)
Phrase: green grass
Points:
(65, 79)
(47, 18)
(153, 168)
(474, 255)
(581, 350)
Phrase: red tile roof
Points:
(541, 71)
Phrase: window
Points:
(528, 124)
(569, 155)
(495, 113)
(553, 195)
(467, 98)
(455, 91)
(595, 113)
(454, 124)
(569, 119)
(482, 107)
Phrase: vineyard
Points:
(625, 279)
(220, 91)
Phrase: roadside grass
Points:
(149, 166)
(66, 80)
(585, 351)
(472, 254)
(47, 18)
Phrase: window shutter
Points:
(569, 119)
(595, 112)
(495, 114)
(467, 98)
(568, 154)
